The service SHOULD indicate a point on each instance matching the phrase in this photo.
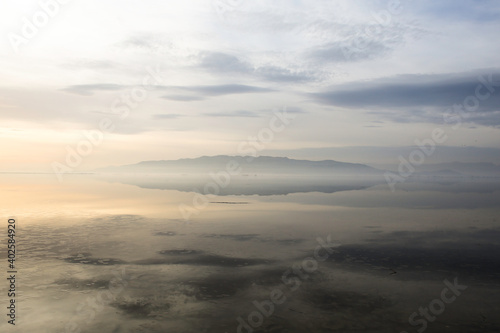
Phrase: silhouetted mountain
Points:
(248, 165)
(250, 176)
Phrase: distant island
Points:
(246, 175)
(267, 175)
(245, 165)
(284, 165)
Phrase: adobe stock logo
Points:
(30, 27)
(436, 306)
(292, 279)
(121, 107)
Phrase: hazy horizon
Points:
(377, 157)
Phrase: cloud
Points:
(252, 114)
(89, 89)
(485, 119)
(419, 98)
(239, 113)
(280, 74)
(465, 10)
(183, 98)
(344, 51)
(359, 41)
(200, 91)
(146, 42)
(225, 89)
(223, 63)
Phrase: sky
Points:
(88, 84)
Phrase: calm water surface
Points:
(266, 255)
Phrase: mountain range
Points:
(248, 165)
(267, 175)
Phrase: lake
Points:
(267, 254)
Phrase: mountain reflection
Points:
(247, 185)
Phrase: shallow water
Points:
(116, 255)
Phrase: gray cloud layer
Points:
(222, 63)
(238, 113)
(225, 89)
(89, 89)
(420, 98)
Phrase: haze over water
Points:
(390, 254)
